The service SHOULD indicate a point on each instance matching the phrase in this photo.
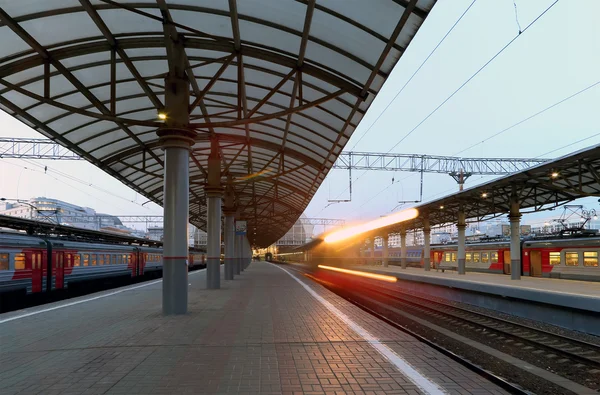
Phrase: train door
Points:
(134, 259)
(37, 275)
(59, 269)
(506, 261)
(535, 263)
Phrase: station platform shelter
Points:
(270, 331)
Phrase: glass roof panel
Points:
(119, 21)
(26, 7)
(60, 28)
(216, 25)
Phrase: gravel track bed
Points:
(518, 320)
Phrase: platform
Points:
(268, 331)
(568, 303)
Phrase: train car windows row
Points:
(4, 262)
(590, 258)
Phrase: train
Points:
(566, 258)
(575, 258)
(35, 265)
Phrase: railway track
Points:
(507, 331)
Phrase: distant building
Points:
(63, 213)
(196, 237)
(297, 235)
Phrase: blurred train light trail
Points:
(374, 276)
(401, 216)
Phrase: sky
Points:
(556, 57)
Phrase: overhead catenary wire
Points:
(464, 84)
(414, 74)
(472, 76)
(402, 89)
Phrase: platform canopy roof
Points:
(281, 84)
(541, 187)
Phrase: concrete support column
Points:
(247, 253)
(229, 213)
(176, 209)
(238, 249)
(386, 251)
(403, 248)
(214, 192)
(462, 255)
(176, 139)
(426, 245)
(372, 244)
(515, 237)
(229, 245)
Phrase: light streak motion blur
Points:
(374, 276)
(400, 216)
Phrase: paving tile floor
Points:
(260, 333)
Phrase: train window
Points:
(572, 258)
(76, 260)
(93, 259)
(555, 258)
(86, 259)
(476, 256)
(494, 257)
(4, 262)
(447, 257)
(590, 258)
(468, 257)
(100, 259)
(454, 257)
(19, 261)
(485, 257)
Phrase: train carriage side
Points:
(488, 257)
(574, 258)
(21, 264)
(89, 261)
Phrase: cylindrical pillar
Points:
(403, 248)
(462, 254)
(238, 265)
(175, 243)
(213, 244)
(426, 245)
(386, 251)
(515, 239)
(214, 192)
(229, 245)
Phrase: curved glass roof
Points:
(281, 84)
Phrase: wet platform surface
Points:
(268, 331)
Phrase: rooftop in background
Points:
(282, 85)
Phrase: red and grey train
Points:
(574, 258)
(34, 265)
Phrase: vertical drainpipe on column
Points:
(426, 244)
(515, 237)
(214, 192)
(462, 225)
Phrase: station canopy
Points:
(281, 84)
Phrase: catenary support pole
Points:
(426, 245)
(515, 237)
(372, 250)
(214, 192)
(176, 138)
(462, 225)
(403, 248)
(238, 265)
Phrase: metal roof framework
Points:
(542, 187)
(281, 85)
